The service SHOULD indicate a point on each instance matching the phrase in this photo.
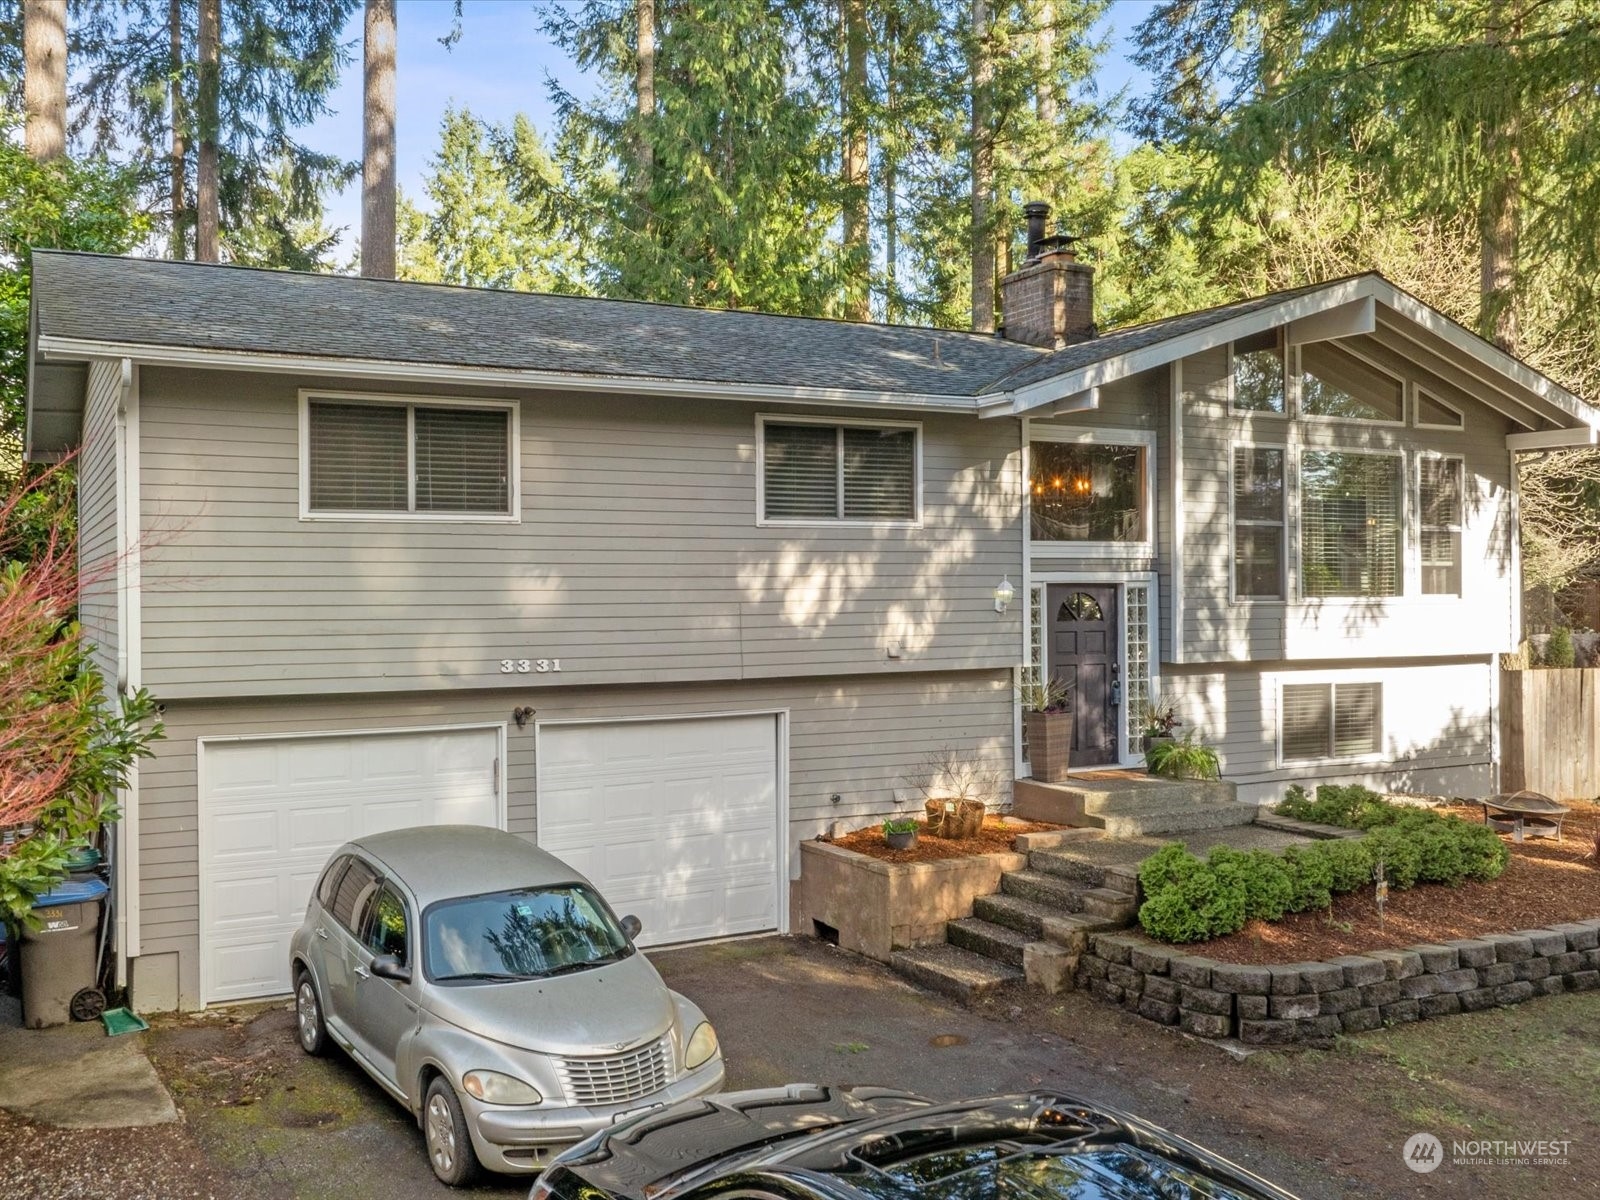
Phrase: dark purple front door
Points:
(1084, 654)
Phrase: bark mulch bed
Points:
(997, 836)
(1545, 883)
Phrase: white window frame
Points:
(1082, 435)
(1319, 679)
(1435, 398)
(1265, 414)
(1298, 381)
(1459, 529)
(1283, 566)
(411, 403)
(763, 521)
(1408, 586)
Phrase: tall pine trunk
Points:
(44, 78)
(853, 96)
(981, 70)
(1497, 213)
(1045, 58)
(644, 150)
(891, 175)
(208, 217)
(177, 185)
(378, 141)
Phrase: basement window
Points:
(430, 459)
(1324, 721)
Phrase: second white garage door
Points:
(675, 821)
(272, 810)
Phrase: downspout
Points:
(125, 863)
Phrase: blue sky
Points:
(499, 68)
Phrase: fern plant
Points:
(1184, 758)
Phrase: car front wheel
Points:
(309, 1024)
(444, 1128)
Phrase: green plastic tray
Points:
(122, 1020)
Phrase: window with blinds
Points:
(1439, 500)
(1350, 524)
(408, 458)
(864, 473)
(1258, 524)
(1331, 720)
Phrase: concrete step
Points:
(1025, 916)
(1112, 906)
(1083, 870)
(1062, 894)
(952, 971)
(999, 942)
(1184, 819)
(1072, 930)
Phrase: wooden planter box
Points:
(1049, 744)
(878, 907)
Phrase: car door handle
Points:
(322, 933)
(363, 973)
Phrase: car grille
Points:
(618, 1078)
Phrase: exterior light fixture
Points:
(1004, 593)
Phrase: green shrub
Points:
(1395, 850)
(1558, 651)
(1347, 806)
(1350, 860)
(1484, 855)
(1310, 876)
(1170, 866)
(1184, 758)
(1190, 900)
(1169, 917)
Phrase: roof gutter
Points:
(78, 349)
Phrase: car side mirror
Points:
(389, 966)
(631, 926)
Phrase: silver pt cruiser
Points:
(490, 989)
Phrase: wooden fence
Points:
(1550, 732)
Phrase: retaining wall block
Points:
(1325, 976)
(1360, 970)
(1109, 992)
(1462, 980)
(1125, 978)
(1113, 947)
(1241, 979)
(1320, 1029)
(1285, 980)
(1583, 981)
(1579, 937)
(1546, 941)
(1565, 963)
(1550, 985)
(1152, 960)
(1590, 960)
(1477, 999)
(1513, 993)
(1510, 947)
(1162, 1012)
(1204, 1024)
(1436, 960)
(1268, 1033)
(1496, 974)
(1360, 1020)
(1093, 966)
(1401, 1012)
(1252, 1008)
(1471, 952)
(1162, 988)
(1419, 986)
(1206, 1000)
(1191, 970)
(1342, 1001)
(1296, 1008)
(1445, 1004)
(1401, 964)
(1532, 968)
(1385, 991)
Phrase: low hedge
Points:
(1189, 899)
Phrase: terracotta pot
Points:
(1049, 744)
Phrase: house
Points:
(671, 590)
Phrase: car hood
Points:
(599, 1011)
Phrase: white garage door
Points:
(273, 810)
(675, 821)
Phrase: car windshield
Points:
(1091, 1172)
(528, 933)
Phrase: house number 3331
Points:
(525, 666)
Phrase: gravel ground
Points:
(156, 1163)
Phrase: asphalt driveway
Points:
(262, 1120)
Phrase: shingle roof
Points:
(1137, 337)
(193, 305)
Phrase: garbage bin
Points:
(59, 959)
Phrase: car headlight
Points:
(494, 1088)
(702, 1046)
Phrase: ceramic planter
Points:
(901, 841)
(1049, 744)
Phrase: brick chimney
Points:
(1049, 301)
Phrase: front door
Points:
(1084, 655)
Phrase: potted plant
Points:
(1183, 758)
(1047, 717)
(901, 834)
(1159, 720)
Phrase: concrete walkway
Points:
(75, 1077)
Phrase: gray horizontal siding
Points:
(1217, 630)
(857, 738)
(637, 557)
(98, 546)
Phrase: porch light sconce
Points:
(1004, 593)
(521, 715)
